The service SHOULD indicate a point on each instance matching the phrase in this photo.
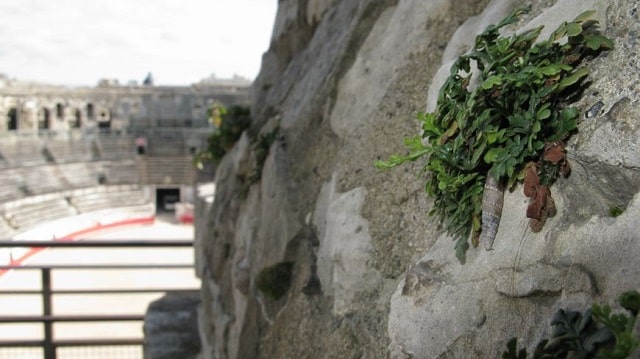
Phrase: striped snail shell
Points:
(492, 200)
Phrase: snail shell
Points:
(594, 110)
(492, 200)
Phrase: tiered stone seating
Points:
(30, 212)
(166, 144)
(43, 179)
(121, 172)
(116, 147)
(168, 170)
(6, 232)
(81, 174)
(70, 149)
(22, 151)
(9, 180)
(107, 197)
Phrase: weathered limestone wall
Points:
(373, 275)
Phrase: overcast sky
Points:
(78, 42)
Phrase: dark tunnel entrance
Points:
(166, 199)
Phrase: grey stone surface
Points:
(171, 327)
(374, 276)
(345, 244)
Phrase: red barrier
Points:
(100, 227)
(80, 234)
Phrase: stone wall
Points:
(171, 327)
(374, 276)
(26, 107)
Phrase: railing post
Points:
(48, 343)
(49, 349)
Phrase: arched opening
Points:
(44, 119)
(12, 120)
(166, 199)
(90, 111)
(59, 111)
(78, 119)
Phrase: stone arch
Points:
(77, 115)
(59, 111)
(12, 119)
(91, 111)
(44, 120)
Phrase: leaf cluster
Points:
(596, 333)
(499, 106)
(230, 123)
(261, 149)
(620, 324)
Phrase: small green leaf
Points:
(509, 171)
(630, 301)
(512, 349)
(541, 349)
(554, 69)
(573, 78)
(559, 32)
(492, 154)
(492, 137)
(414, 144)
(477, 153)
(596, 42)
(518, 121)
(535, 128)
(543, 114)
(492, 81)
(585, 16)
(428, 124)
(598, 338)
(573, 29)
(569, 113)
(394, 160)
(435, 165)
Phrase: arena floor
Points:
(164, 228)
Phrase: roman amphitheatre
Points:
(97, 162)
(70, 151)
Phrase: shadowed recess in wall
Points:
(274, 281)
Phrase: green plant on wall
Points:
(229, 123)
(261, 147)
(598, 332)
(494, 120)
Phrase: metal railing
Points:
(49, 343)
